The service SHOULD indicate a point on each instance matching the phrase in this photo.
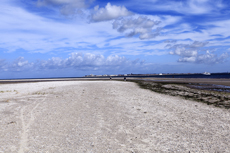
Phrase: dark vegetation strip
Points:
(215, 98)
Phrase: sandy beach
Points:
(106, 116)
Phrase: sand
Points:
(106, 116)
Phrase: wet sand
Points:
(106, 116)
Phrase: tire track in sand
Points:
(25, 127)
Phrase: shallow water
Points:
(211, 87)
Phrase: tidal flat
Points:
(211, 94)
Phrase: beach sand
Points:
(106, 116)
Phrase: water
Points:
(211, 87)
(198, 75)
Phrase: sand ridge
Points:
(106, 116)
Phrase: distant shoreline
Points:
(215, 81)
(206, 75)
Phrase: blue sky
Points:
(71, 38)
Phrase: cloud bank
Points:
(76, 61)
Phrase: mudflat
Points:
(106, 116)
(215, 81)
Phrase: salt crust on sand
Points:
(106, 116)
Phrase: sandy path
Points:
(106, 116)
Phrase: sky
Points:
(73, 38)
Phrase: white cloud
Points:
(212, 58)
(184, 51)
(24, 30)
(169, 20)
(197, 44)
(187, 59)
(19, 64)
(194, 53)
(184, 32)
(87, 61)
(109, 12)
(33, 33)
(36, 34)
(194, 7)
(76, 61)
(2, 64)
(197, 7)
(67, 7)
(79, 3)
(170, 41)
(220, 28)
(141, 26)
